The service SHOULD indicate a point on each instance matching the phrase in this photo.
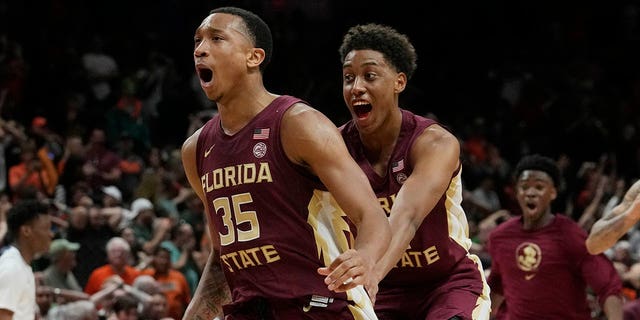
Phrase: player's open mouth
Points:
(362, 110)
(206, 75)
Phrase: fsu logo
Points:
(528, 257)
(401, 177)
(259, 150)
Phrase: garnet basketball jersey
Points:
(276, 222)
(430, 257)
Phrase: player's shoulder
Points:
(304, 117)
(190, 144)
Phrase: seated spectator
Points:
(70, 164)
(149, 230)
(44, 296)
(62, 254)
(172, 282)
(77, 310)
(91, 229)
(184, 255)
(30, 176)
(125, 307)
(102, 164)
(139, 258)
(118, 252)
(131, 165)
(112, 207)
(157, 310)
(113, 288)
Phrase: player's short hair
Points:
(22, 213)
(394, 46)
(257, 30)
(539, 163)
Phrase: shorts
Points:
(428, 304)
(308, 308)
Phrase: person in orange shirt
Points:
(172, 282)
(30, 176)
(118, 252)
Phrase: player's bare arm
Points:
(613, 307)
(212, 291)
(311, 139)
(614, 224)
(435, 157)
(6, 314)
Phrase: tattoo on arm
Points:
(213, 294)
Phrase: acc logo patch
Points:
(401, 177)
(259, 150)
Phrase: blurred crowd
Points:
(92, 119)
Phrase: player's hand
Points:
(347, 271)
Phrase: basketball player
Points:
(413, 165)
(264, 167)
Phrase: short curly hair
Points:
(539, 163)
(394, 46)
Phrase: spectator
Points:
(138, 257)
(44, 297)
(77, 310)
(112, 208)
(62, 254)
(125, 307)
(70, 164)
(131, 165)
(102, 165)
(118, 252)
(184, 257)
(172, 282)
(90, 228)
(29, 177)
(125, 119)
(148, 230)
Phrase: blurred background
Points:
(513, 78)
(528, 75)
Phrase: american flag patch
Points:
(397, 166)
(261, 134)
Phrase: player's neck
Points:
(236, 113)
(382, 140)
(540, 223)
(25, 251)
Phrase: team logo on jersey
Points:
(259, 150)
(401, 177)
(528, 257)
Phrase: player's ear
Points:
(255, 57)
(400, 83)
